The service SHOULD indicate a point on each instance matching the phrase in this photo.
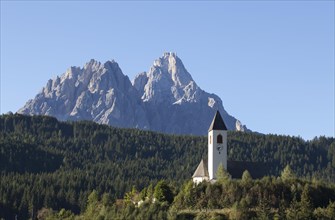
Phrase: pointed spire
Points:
(201, 170)
(217, 123)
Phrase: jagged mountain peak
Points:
(168, 61)
(92, 62)
(94, 65)
(166, 81)
(164, 99)
(97, 91)
(171, 65)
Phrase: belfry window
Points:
(219, 139)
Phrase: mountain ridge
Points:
(164, 99)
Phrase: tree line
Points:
(53, 164)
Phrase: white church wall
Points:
(215, 156)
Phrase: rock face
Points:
(98, 92)
(165, 99)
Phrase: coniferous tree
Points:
(92, 203)
(246, 178)
(222, 175)
(306, 207)
(292, 213)
(163, 192)
(264, 210)
(287, 174)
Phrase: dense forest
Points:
(50, 165)
(283, 197)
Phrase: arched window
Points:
(219, 139)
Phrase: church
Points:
(217, 154)
(217, 151)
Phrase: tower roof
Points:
(217, 123)
(201, 170)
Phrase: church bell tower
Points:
(217, 145)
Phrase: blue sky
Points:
(272, 63)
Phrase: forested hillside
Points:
(280, 198)
(47, 163)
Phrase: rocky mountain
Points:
(165, 99)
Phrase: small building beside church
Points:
(201, 173)
(217, 151)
